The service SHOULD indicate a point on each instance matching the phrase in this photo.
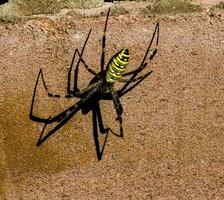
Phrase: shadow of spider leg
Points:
(94, 107)
(63, 117)
(73, 93)
(32, 116)
(70, 93)
(97, 122)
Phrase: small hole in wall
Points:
(3, 1)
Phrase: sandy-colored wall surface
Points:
(173, 121)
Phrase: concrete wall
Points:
(173, 121)
(30, 7)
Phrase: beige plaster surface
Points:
(173, 121)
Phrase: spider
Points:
(101, 87)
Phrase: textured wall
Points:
(30, 7)
(173, 121)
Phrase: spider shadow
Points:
(91, 105)
(98, 127)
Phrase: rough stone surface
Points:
(30, 7)
(173, 121)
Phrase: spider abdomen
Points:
(117, 66)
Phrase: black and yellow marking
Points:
(117, 66)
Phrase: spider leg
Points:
(103, 130)
(143, 63)
(89, 88)
(60, 115)
(135, 79)
(65, 116)
(75, 88)
(121, 93)
(77, 93)
(49, 120)
(152, 53)
(40, 75)
(87, 67)
(104, 42)
(128, 81)
(118, 108)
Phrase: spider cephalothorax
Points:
(101, 87)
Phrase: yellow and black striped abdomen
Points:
(117, 66)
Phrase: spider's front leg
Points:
(149, 55)
(104, 42)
